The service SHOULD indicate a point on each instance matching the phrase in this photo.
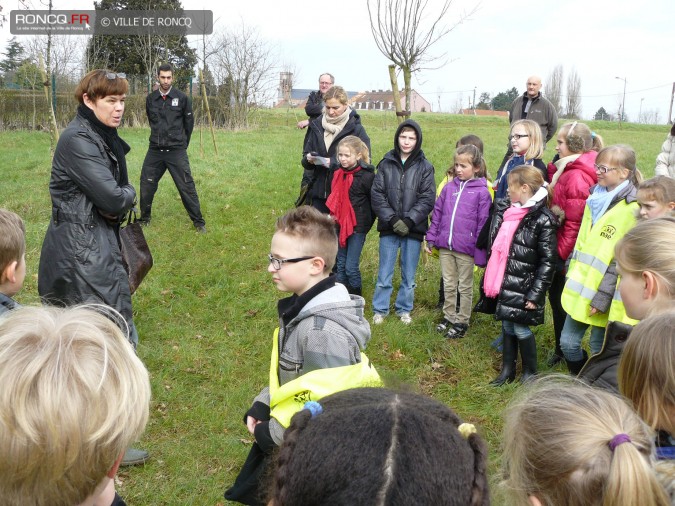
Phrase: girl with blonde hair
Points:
(647, 376)
(528, 147)
(645, 259)
(598, 453)
(590, 296)
(522, 257)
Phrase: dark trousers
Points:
(554, 296)
(156, 162)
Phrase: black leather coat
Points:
(81, 259)
(530, 266)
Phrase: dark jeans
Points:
(348, 260)
(156, 163)
(554, 296)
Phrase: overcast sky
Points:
(497, 48)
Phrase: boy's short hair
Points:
(315, 231)
(12, 238)
(74, 396)
(407, 129)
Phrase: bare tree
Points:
(573, 101)
(244, 67)
(553, 88)
(63, 52)
(404, 31)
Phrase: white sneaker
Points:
(405, 318)
(378, 319)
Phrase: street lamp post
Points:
(623, 103)
(640, 113)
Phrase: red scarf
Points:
(339, 204)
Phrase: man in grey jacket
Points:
(532, 105)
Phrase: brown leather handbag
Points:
(136, 253)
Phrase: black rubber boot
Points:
(509, 356)
(528, 354)
(576, 365)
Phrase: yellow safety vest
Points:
(288, 399)
(593, 252)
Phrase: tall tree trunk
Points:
(408, 92)
(394, 90)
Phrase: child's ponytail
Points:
(631, 478)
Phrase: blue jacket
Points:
(459, 214)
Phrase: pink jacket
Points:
(569, 196)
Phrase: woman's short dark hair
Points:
(101, 83)
(379, 446)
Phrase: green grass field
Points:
(206, 312)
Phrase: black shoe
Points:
(201, 229)
(509, 355)
(443, 326)
(143, 222)
(134, 457)
(457, 331)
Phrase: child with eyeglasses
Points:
(590, 296)
(317, 347)
(528, 147)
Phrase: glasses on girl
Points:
(603, 169)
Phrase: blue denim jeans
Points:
(348, 260)
(573, 332)
(410, 256)
(516, 329)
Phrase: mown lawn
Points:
(206, 312)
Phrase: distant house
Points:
(482, 112)
(383, 100)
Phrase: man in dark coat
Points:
(314, 104)
(171, 123)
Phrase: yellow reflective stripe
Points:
(580, 288)
(592, 261)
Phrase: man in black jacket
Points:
(171, 122)
(314, 104)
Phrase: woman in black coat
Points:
(81, 261)
(319, 155)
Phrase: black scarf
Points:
(111, 139)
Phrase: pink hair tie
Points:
(617, 440)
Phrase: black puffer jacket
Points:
(531, 263)
(81, 259)
(404, 191)
(314, 143)
(359, 196)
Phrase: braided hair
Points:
(380, 447)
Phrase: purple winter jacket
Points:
(459, 214)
